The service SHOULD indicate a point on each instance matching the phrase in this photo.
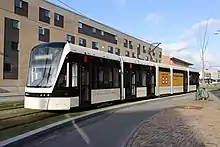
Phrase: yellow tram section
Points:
(178, 79)
(164, 79)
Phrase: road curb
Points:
(26, 137)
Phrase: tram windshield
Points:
(44, 61)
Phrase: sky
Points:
(178, 24)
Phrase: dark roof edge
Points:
(149, 42)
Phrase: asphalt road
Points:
(108, 130)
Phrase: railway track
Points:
(11, 105)
(13, 115)
(20, 116)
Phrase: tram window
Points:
(110, 75)
(106, 76)
(83, 75)
(152, 79)
(133, 79)
(193, 79)
(115, 77)
(74, 74)
(143, 78)
(62, 79)
(101, 74)
(95, 77)
(138, 78)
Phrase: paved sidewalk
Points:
(198, 126)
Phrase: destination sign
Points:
(41, 57)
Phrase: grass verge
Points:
(12, 132)
(11, 105)
(212, 87)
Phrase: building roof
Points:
(179, 60)
(83, 16)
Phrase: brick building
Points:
(25, 23)
(175, 61)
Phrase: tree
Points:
(203, 40)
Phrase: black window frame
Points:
(14, 45)
(110, 49)
(39, 32)
(15, 24)
(18, 5)
(7, 66)
(72, 38)
(94, 46)
(126, 43)
(117, 51)
(84, 42)
(127, 53)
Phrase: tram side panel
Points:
(164, 81)
(105, 80)
(145, 80)
(178, 81)
(141, 80)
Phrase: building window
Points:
(127, 53)
(102, 33)
(14, 45)
(144, 49)
(95, 45)
(125, 43)
(15, 24)
(57, 16)
(130, 45)
(154, 53)
(7, 67)
(80, 25)
(46, 13)
(159, 61)
(70, 38)
(116, 38)
(94, 30)
(82, 42)
(18, 3)
(147, 58)
(41, 31)
(160, 55)
(133, 55)
(117, 51)
(110, 49)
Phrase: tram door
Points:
(130, 83)
(151, 81)
(185, 81)
(85, 90)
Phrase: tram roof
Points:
(92, 52)
(137, 61)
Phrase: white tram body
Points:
(63, 75)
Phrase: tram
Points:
(62, 75)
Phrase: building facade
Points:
(211, 76)
(175, 61)
(24, 24)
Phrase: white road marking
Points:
(80, 131)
